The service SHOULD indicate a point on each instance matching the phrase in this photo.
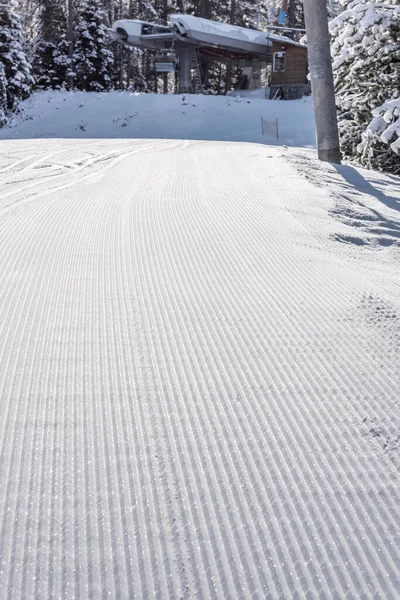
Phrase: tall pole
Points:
(319, 57)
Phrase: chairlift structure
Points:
(188, 39)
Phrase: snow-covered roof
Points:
(192, 23)
(284, 40)
(197, 32)
(227, 30)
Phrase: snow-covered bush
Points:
(366, 63)
(385, 128)
(16, 68)
(92, 60)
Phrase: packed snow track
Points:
(199, 384)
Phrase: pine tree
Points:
(17, 70)
(244, 13)
(295, 15)
(148, 11)
(92, 59)
(366, 63)
(218, 10)
(50, 59)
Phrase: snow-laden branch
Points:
(385, 125)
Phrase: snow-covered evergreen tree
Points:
(92, 60)
(366, 63)
(244, 12)
(148, 10)
(17, 70)
(295, 15)
(50, 48)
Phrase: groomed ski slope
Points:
(199, 373)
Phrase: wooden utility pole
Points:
(319, 57)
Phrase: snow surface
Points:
(199, 365)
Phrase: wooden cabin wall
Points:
(295, 67)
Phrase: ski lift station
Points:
(189, 42)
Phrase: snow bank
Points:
(129, 115)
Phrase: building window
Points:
(279, 61)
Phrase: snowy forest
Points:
(64, 44)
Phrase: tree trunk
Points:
(232, 17)
(291, 18)
(70, 40)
